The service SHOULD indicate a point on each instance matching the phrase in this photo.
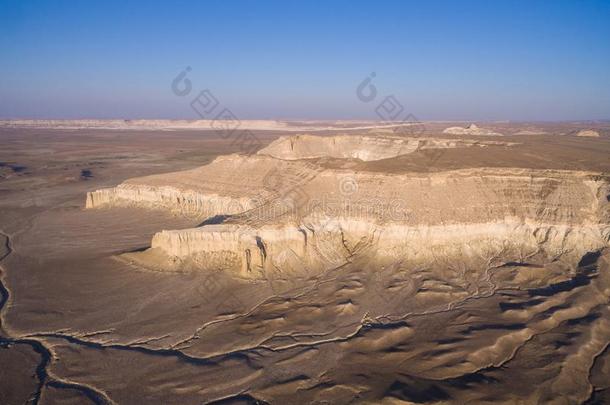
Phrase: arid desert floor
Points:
(329, 263)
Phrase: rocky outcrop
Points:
(316, 245)
(230, 184)
(366, 148)
(588, 133)
(466, 216)
(236, 183)
(184, 202)
(459, 196)
(472, 129)
(282, 213)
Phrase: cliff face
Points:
(465, 217)
(316, 246)
(230, 184)
(184, 202)
(293, 216)
(462, 196)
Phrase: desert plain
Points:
(319, 263)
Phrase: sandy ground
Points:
(79, 326)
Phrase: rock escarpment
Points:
(318, 245)
(229, 185)
(186, 202)
(366, 148)
(236, 183)
(467, 217)
(588, 133)
(282, 214)
(472, 129)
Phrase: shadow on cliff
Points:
(215, 220)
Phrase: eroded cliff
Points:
(282, 213)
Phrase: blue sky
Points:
(464, 60)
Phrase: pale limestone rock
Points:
(472, 129)
(317, 246)
(291, 215)
(588, 133)
(366, 148)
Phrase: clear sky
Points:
(464, 60)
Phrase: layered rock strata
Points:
(306, 220)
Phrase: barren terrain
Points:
(335, 263)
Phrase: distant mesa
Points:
(472, 129)
(365, 148)
(531, 132)
(172, 125)
(588, 133)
